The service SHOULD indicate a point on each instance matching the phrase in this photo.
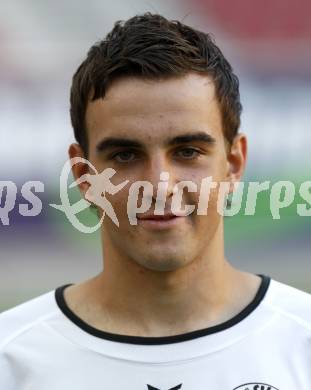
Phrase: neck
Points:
(127, 298)
(131, 299)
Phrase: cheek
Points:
(205, 199)
(119, 200)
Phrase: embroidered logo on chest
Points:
(255, 386)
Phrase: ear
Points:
(79, 169)
(236, 160)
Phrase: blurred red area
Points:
(271, 36)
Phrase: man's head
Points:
(152, 47)
(159, 86)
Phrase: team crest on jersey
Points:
(255, 386)
(172, 388)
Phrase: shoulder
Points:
(21, 318)
(290, 302)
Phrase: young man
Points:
(168, 311)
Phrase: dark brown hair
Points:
(151, 46)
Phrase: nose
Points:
(160, 173)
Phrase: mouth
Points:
(160, 221)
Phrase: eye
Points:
(188, 153)
(124, 156)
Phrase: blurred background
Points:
(41, 45)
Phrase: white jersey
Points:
(267, 346)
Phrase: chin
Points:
(161, 263)
(161, 267)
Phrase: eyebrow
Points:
(111, 142)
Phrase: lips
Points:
(153, 217)
(164, 222)
(167, 215)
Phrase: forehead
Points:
(152, 110)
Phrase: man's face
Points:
(152, 113)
